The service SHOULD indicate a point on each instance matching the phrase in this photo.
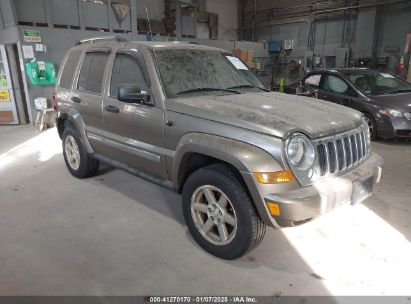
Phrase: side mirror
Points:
(132, 94)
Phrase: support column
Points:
(178, 21)
(110, 23)
(133, 16)
(80, 14)
(48, 13)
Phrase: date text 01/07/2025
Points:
(201, 299)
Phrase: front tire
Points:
(219, 213)
(78, 162)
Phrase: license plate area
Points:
(362, 189)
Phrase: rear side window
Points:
(67, 75)
(92, 72)
(126, 70)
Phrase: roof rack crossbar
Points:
(102, 39)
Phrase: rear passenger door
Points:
(87, 96)
(134, 131)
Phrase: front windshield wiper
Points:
(247, 86)
(207, 89)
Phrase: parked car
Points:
(197, 120)
(383, 98)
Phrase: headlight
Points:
(300, 152)
(391, 113)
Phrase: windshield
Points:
(190, 71)
(376, 83)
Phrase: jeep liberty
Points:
(195, 119)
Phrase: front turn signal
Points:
(274, 177)
(273, 208)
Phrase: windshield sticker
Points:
(237, 63)
(386, 75)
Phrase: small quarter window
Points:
(67, 75)
(92, 72)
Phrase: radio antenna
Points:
(149, 25)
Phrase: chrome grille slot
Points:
(341, 152)
(348, 151)
(322, 159)
(354, 148)
(331, 153)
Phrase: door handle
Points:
(112, 109)
(76, 99)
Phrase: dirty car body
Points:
(207, 116)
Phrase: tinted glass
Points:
(92, 72)
(203, 72)
(375, 83)
(126, 70)
(334, 84)
(67, 75)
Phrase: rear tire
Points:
(214, 197)
(78, 162)
(372, 125)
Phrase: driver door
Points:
(134, 131)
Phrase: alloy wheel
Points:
(72, 152)
(213, 215)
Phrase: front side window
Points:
(92, 72)
(193, 71)
(126, 71)
(334, 84)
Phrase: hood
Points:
(400, 102)
(271, 113)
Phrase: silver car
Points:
(197, 120)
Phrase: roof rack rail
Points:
(183, 41)
(102, 39)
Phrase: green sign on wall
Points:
(31, 36)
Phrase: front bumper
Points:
(327, 194)
(391, 127)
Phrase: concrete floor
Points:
(116, 234)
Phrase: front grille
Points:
(342, 152)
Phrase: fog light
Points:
(273, 208)
(274, 177)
